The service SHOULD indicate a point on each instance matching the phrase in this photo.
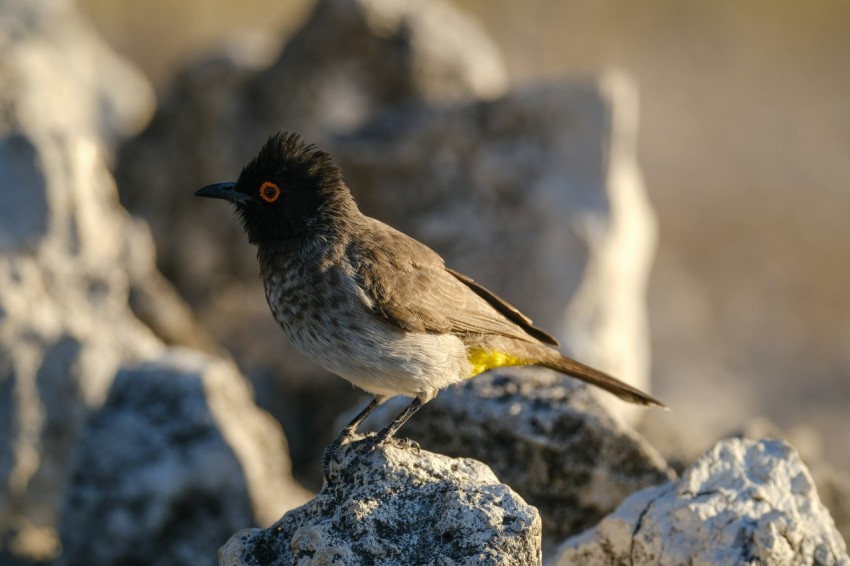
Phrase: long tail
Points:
(624, 391)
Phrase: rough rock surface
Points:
(834, 490)
(398, 505)
(538, 196)
(743, 502)
(677, 444)
(64, 322)
(179, 454)
(833, 484)
(545, 436)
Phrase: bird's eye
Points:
(269, 192)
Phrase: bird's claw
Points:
(331, 450)
(373, 442)
(410, 444)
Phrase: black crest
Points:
(285, 156)
(312, 200)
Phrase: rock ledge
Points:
(398, 505)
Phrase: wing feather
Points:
(410, 286)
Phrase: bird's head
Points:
(289, 191)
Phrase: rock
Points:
(187, 458)
(742, 502)
(102, 95)
(834, 490)
(833, 484)
(70, 259)
(353, 59)
(396, 506)
(674, 438)
(154, 300)
(545, 436)
(64, 322)
(537, 195)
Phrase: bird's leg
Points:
(390, 430)
(348, 431)
(361, 416)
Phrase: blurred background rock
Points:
(743, 141)
(177, 436)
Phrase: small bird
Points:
(369, 303)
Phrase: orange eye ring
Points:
(269, 192)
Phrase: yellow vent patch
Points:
(482, 360)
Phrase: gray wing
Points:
(508, 310)
(409, 285)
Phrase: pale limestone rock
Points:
(742, 502)
(69, 257)
(177, 459)
(64, 323)
(398, 506)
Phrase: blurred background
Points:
(744, 140)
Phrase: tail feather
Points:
(624, 391)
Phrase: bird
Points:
(370, 303)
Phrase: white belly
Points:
(372, 353)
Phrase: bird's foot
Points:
(331, 450)
(346, 433)
(409, 444)
(373, 442)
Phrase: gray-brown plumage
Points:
(370, 303)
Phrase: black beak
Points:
(226, 191)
